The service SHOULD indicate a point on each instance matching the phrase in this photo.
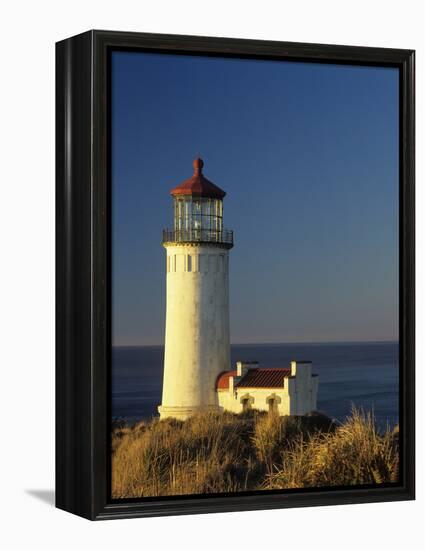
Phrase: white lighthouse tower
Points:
(197, 341)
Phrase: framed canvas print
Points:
(235, 275)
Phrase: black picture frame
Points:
(83, 273)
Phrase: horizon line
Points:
(273, 343)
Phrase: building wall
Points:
(303, 388)
(258, 398)
(197, 341)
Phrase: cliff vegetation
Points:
(215, 453)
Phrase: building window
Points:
(189, 262)
(246, 405)
(272, 406)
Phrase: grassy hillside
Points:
(213, 453)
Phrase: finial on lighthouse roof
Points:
(198, 185)
(198, 164)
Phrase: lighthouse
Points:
(197, 340)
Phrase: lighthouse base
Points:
(183, 413)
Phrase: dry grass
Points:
(355, 454)
(205, 454)
(214, 453)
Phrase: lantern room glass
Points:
(200, 218)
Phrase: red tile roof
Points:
(254, 378)
(222, 382)
(198, 185)
(264, 378)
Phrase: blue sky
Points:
(308, 156)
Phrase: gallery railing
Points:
(198, 235)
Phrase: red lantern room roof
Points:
(198, 185)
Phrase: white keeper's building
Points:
(197, 369)
(291, 391)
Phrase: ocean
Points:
(360, 374)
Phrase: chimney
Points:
(302, 367)
(242, 367)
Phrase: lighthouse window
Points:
(202, 263)
(212, 263)
(189, 262)
(198, 218)
(188, 214)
